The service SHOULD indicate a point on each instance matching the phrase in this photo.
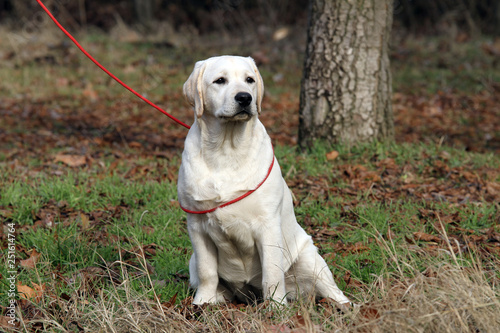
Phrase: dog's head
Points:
(229, 87)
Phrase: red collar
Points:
(241, 197)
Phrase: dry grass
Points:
(444, 298)
(451, 294)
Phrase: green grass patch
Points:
(439, 64)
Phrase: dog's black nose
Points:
(244, 99)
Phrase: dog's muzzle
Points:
(243, 110)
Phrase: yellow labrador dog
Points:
(253, 248)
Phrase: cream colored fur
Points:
(254, 247)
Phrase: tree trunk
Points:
(144, 10)
(346, 88)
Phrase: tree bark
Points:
(346, 88)
(144, 10)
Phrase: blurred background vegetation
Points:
(205, 16)
(440, 51)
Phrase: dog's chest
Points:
(218, 188)
(234, 235)
(237, 251)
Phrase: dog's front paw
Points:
(276, 295)
(202, 298)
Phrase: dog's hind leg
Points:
(310, 275)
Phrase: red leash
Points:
(156, 107)
(106, 71)
(241, 197)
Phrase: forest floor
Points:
(411, 228)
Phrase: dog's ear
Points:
(260, 85)
(193, 88)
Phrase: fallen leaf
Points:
(135, 144)
(31, 261)
(477, 238)
(493, 188)
(371, 176)
(280, 34)
(358, 247)
(369, 312)
(490, 49)
(32, 294)
(350, 282)
(8, 322)
(71, 160)
(171, 302)
(332, 155)
(148, 250)
(84, 221)
(422, 236)
(444, 155)
(90, 93)
(298, 320)
(280, 328)
(6, 213)
(91, 278)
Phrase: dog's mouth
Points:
(243, 115)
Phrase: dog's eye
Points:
(220, 80)
(250, 80)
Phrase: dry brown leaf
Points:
(135, 144)
(6, 321)
(369, 312)
(6, 213)
(280, 34)
(358, 247)
(493, 188)
(85, 221)
(490, 49)
(422, 236)
(171, 302)
(477, 238)
(90, 93)
(328, 232)
(444, 155)
(71, 160)
(350, 281)
(371, 176)
(33, 294)
(332, 155)
(280, 328)
(31, 261)
(298, 320)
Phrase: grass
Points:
(111, 244)
(443, 65)
(149, 216)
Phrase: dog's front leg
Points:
(270, 246)
(203, 265)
